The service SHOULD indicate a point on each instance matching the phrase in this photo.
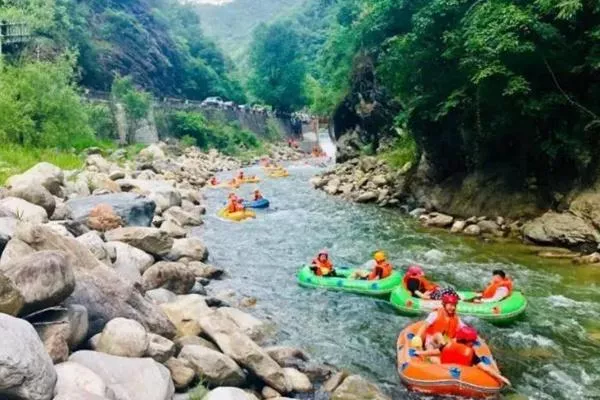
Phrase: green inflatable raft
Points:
(499, 312)
(381, 287)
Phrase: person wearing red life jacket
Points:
(500, 287)
(214, 181)
(415, 282)
(232, 202)
(322, 265)
(460, 351)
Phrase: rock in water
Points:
(44, 279)
(129, 378)
(99, 289)
(213, 367)
(150, 240)
(356, 387)
(134, 210)
(244, 351)
(560, 229)
(123, 337)
(11, 301)
(26, 371)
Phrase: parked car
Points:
(212, 101)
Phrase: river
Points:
(552, 353)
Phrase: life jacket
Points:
(457, 353)
(444, 324)
(213, 181)
(424, 284)
(489, 291)
(323, 268)
(232, 206)
(386, 270)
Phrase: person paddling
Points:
(500, 287)
(322, 266)
(460, 351)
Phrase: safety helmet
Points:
(323, 252)
(450, 298)
(467, 334)
(379, 256)
(415, 270)
(231, 195)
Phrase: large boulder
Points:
(202, 270)
(99, 289)
(587, 206)
(130, 262)
(129, 378)
(356, 387)
(61, 328)
(35, 194)
(49, 176)
(26, 370)
(182, 372)
(227, 393)
(237, 345)
(73, 377)
(44, 279)
(162, 193)
(298, 381)
(154, 152)
(439, 220)
(213, 367)
(95, 245)
(160, 349)
(160, 296)
(173, 230)
(123, 337)
(564, 229)
(285, 355)
(134, 210)
(97, 161)
(55, 339)
(150, 240)
(173, 276)
(183, 341)
(22, 210)
(251, 326)
(190, 248)
(14, 250)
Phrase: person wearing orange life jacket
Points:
(500, 287)
(414, 281)
(381, 268)
(240, 176)
(232, 203)
(322, 266)
(239, 204)
(439, 325)
(214, 181)
(460, 351)
(257, 195)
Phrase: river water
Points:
(552, 353)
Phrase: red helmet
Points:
(324, 252)
(415, 270)
(450, 298)
(467, 334)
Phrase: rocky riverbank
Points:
(575, 227)
(105, 292)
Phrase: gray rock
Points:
(173, 276)
(35, 194)
(472, 230)
(181, 217)
(150, 240)
(458, 226)
(73, 377)
(183, 341)
(26, 370)
(251, 326)
(163, 194)
(44, 279)
(282, 354)
(134, 210)
(95, 245)
(227, 393)
(182, 373)
(560, 229)
(213, 367)
(123, 337)
(8, 226)
(356, 387)
(173, 229)
(22, 210)
(11, 300)
(587, 206)
(366, 197)
(379, 180)
(151, 381)
(190, 248)
(243, 350)
(14, 250)
(185, 314)
(490, 227)
(160, 349)
(439, 220)
(49, 176)
(202, 270)
(298, 381)
(99, 162)
(417, 212)
(99, 289)
(161, 296)
(116, 174)
(130, 261)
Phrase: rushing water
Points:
(552, 353)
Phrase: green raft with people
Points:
(498, 312)
(343, 282)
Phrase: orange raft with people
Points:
(421, 375)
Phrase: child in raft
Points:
(381, 268)
(415, 282)
(460, 351)
(322, 266)
(257, 195)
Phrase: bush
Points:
(101, 121)
(136, 103)
(188, 141)
(40, 107)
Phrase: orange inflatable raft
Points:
(422, 375)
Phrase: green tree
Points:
(278, 70)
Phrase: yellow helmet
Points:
(379, 256)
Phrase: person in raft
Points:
(322, 266)
(240, 176)
(500, 287)
(460, 351)
(257, 195)
(440, 325)
(214, 181)
(233, 203)
(381, 268)
(415, 282)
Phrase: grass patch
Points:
(403, 151)
(198, 393)
(17, 159)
